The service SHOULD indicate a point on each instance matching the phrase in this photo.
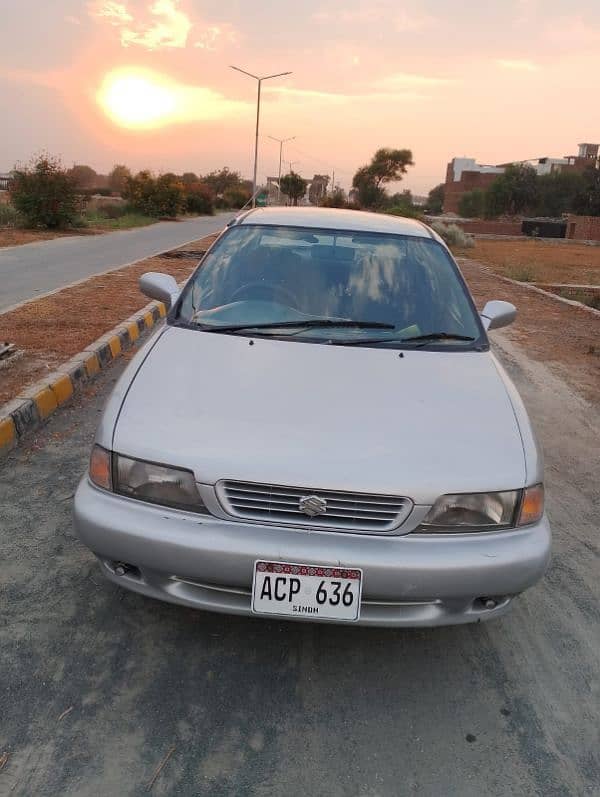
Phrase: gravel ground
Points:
(99, 687)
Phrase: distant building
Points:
(464, 174)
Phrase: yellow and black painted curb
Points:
(34, 405)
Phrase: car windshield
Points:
(327, 286)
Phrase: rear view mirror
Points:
(159, 286)
(498, 314)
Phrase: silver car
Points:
(320, 432)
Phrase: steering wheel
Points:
(271, 287)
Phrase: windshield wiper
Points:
(437, 336)
(309, 323)
(422, 339)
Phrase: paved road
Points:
(250, 707)
(34, 269)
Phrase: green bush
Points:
(405, 210)
(199, 199)
(44, 194)
(471, 205)
(236, 197)
(9, 217)
(452, 234)
(155, 196)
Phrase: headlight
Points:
(145, 481)
(472, 512)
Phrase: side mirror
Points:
(159, 286)
(498, 314)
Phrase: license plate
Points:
(294, 590)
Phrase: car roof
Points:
(335, 219)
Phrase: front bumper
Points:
(207, 563)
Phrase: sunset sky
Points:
(147, 83)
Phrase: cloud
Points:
(115, 13)
(166, 26)
(375, 12)
(517, 65)
(72, 20)
(286, 93)
(214, 34)
(400, 80)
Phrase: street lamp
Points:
(282, 141)
(259, 80)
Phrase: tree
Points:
(222, 179)
(237, 197)
(337, 199)
(82, 176)
(293, 186)
(435, 199)
(188, 178)
(368, 193)
(44, 193)
(386, 166)
(390, 165)
(155, 196)
(513, 192)
(318, 188)
(472, 204)
(117, 178)
(587, 200)
(556, 193)
(199, 198)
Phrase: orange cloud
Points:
(166, 26)
(517, 65)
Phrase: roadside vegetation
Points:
(46, 199)
(520, 190)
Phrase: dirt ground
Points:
(54, 328)
(566, 338)
(533, 260)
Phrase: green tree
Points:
(435, 199)
(370, 195)
(44, 193)
(556, 192)
(221, 180)
(117, 178)
(587, 200)
(237, 197)
(513, 192)
(188, 178)
(155, 196)
(293, 186)
(386, 166)
(337, 199)
(318, 188)
(472, 204)
(199, 198)
(83, 176)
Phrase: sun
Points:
(138, 99)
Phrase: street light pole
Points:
(259, 80)
(281, 141)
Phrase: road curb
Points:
(36, 403)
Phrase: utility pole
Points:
(281, 141)
(259, 81)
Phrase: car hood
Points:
(417, 423)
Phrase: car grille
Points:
(270, 503)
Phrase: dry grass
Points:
(539, 261)
(561, 336)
